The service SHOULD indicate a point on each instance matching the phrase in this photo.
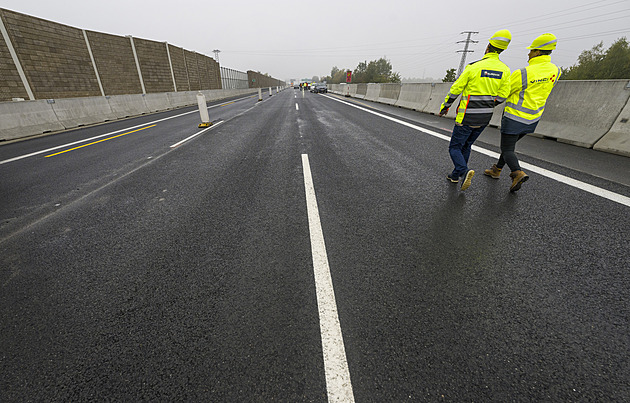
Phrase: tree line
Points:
(375, 71)
(600, 64)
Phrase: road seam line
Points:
(338, 383)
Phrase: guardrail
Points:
(592, 114)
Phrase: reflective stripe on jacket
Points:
(483, 84)
(529, 89)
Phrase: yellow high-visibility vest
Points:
(529, 89)
(483, 84)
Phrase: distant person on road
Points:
(483, 85)
(529, 89)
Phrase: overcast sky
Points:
(291, 39)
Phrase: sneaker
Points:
(468, 179)
(518, 177)
(452, 178)
(493, 172)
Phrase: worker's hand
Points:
(443, 111)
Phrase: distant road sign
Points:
(349, 76)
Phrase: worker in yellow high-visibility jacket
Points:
(529, 89)
(483, 85)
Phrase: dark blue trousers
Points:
(459, 148)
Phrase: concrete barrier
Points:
(497, 115)
(248, 91)
(184, 98)
(361, 91)
(438, 95)
(414, 96)
(157, 102)
(354, 88)
(27, 118)
(373, 91)
(127, 105)
(213, 95)
(342, 89)
(582, 112)
(75, 112)
(617, 140)
(389, 93)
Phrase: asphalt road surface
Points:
(308, 248)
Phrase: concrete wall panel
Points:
(354, 88)
(373, 91)
(74, 112)
(204, 71)
(154, 65)
(27, 118)
(389, 93)
(10, 82)
(361, 91)
(438, 94)
(215, 74)
(179, 67)
(128, 105)
(115, 62)
(617, 140)
(54, 57)
(581, 112)
(193, 70)
(496, 116)
(209, 73)
(157, 102)
(179, 99)
(414, 96)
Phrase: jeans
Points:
(459, 148)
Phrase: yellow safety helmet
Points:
(544, 42)
(501, 39)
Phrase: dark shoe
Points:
(452, 178)
(468, 179)
(493, 172)
(518, 177)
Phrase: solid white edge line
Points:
(111, 133)
(196, 134)
(607, 194)
(338, 384)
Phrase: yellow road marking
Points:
(100, 141)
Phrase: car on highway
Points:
(321, 88)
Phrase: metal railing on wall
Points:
(233, 79)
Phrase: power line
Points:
(551, 15)
(467, 42)
(620, 31)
